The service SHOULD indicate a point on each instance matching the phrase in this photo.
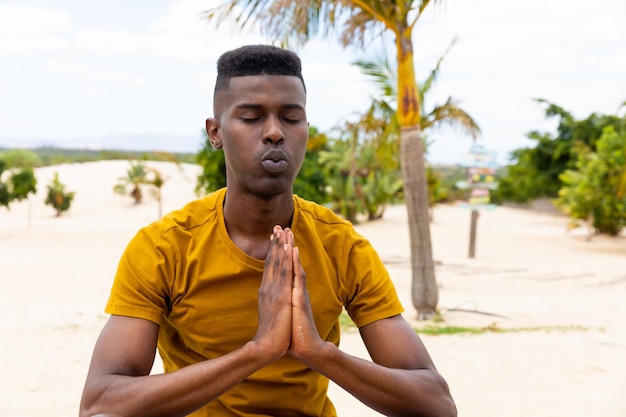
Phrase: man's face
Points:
(260, 122)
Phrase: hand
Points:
(305, 340)
(274, 329)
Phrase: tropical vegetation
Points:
(383, 71)
(156, 180)
(131, 184)
(57, 196)
(361, 166)
(582, 169)
(594, 192)
(17, 178)
(534, 171)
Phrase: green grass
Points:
(441, 329)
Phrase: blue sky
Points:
(88, 74)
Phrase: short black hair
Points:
(257, 60)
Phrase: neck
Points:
(251, 215)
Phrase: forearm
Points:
(392, 392)
(173, 394)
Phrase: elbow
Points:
(95, 412)
(92, 406)
(448, 407)
(442, 404)
(85, 411)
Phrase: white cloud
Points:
(111, 41)
(184, 17)
(92, 73)
(182, 33)
(27, 20)
(25, 29)
(616, 61)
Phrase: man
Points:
(242, 289)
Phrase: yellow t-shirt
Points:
(185, 274)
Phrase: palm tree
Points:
(135, 178)
(383, 71)
(157, 181)
(296, 21)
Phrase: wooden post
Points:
(472, 243)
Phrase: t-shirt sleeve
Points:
(140, 288)
(371, 293)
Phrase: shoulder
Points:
(311, 217)
(189, 219)
(311, 211)
(193, 214)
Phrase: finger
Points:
(289, 235)
(276, 230)
(280, 266)
(271, 252)
(286, 265)
(299, 276)
(275, 255)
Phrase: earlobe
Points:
(215, 136)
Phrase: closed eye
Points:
(293, 116)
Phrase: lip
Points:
(275, 161)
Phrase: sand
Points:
(562, 298)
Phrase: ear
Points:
(214, 132)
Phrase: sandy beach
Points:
(560, 298)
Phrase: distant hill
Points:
(130, 142)
(55, 156)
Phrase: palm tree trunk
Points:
(424, 292)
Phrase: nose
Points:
(273, 132)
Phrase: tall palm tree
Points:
(355, 22)
(383, 72)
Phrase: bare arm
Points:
(118, 381)
(401, 380)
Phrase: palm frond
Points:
(383, 72)
(452, 115)
(427, 84)
(294, 22)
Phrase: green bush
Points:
(595, 190)
(17, 179)
(57, 196)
